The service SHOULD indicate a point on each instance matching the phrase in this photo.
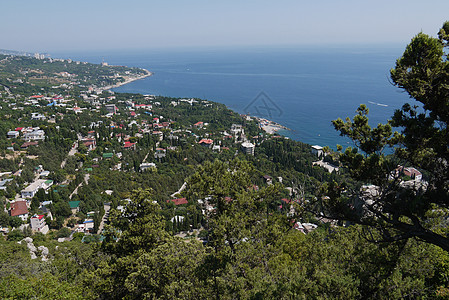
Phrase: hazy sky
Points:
(56, 25)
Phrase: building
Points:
(407, 171)
(236, 129)
(38, 224)
(4, 182)
(318, 150)
(199, 124)
(248, 148)
(90, 143)
(179, 201)
(206, 143)
(87, 226)
(413, 173)
(160, 153)
(35, 135)
(111, 108)
(19, 209)
(129, 145)
(159, 134)
(147, 166)
(108, 155)
(28, 144)
(74, 206)
(32, 189)
(12, 134)
(37, 116)
(268, 179)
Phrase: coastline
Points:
(269, 126)
(128, 80)
(266, 125)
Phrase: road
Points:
(75, 191)
(71, 153)
(107, 207)
(180, 190)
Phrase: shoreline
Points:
(266, 125)
(129, 80)
(269, 126)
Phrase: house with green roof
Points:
(108, 155)
(74, 206)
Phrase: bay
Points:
(302, 88)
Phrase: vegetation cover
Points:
(179, 211)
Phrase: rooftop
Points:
(178, 201)
(19, 208)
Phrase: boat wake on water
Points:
(376, 103)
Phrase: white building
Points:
(147, 166)
(318, 150)
(34, 136)
(38, 224)
(248, 148)
(37, 116)
(32, 189)
(236, 129)
(111, 108)
(12, 134)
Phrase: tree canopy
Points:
(393, 208)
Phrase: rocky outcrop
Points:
(34, 251)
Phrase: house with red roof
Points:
(28, 144)
(90, 143)
(179, 201)
(19, 209)
(206, 143)
(144, 106)
(408, 171)
(129, 145)
(199, 124)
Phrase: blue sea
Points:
(302, 88)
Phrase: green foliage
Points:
(15, 222)
(249, 248)
(15, 235)
(63, 232)
(46, 286)
(367, 139)
(397, 210)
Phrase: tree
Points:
(63, 232)
(15, 222)
(392, 208)
(4, 218)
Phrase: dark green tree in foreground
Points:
(394, 209)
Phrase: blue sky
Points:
(51, 25)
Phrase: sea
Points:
(301, 88)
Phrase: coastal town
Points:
(97, 186)
(99, 130)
